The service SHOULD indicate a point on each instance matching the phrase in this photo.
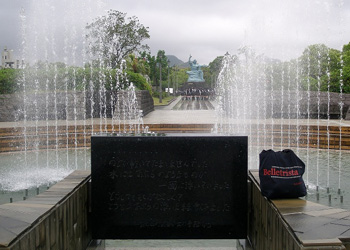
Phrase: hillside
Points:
(174, 61)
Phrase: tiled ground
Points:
(312, 222)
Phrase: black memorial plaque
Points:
(169, 187)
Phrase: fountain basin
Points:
(313, 133)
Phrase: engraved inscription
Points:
(188, 224)
(161, 202)
(171, 187)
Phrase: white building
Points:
(8, 60)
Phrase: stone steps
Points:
(12, 139)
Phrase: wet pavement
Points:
(173, 244)
(313, 223)
(196, 104)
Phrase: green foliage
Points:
(178, 76)
(151, 62)
(208, 77)
(346, 67)
(284, 75)
(8, 81)
(114, 37)
(158, 67)
(60, 77)
(320, 68)
(156, 94)
(215, 66)
(137, 64)
(161, 66)
(139, 81)
(165, 100)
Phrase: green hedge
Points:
(139, 81)
(8, 81)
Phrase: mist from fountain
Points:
(275, 103)
(268, 107)
(249, 102)
(62, 107)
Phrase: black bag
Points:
(281, 174)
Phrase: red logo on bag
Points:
(285, 172)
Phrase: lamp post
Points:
(168, 78)
(174, 79)
(160, 83)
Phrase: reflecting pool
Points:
(25, 174)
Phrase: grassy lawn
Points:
(165, 100)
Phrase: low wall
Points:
(294, 223)
(55, 219)
(290, 105)
(70, 105)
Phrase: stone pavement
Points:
(312, 223)
(173, 244)
(167, 115)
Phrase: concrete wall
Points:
(266, 229)
(69, 106)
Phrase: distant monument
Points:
(196, 74)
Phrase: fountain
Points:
(61, 105)
(295, 102)
(59, 114)
(276, 113)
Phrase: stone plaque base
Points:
(169, 187)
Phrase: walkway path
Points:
(173, 244)
(170, 115)
(184, 104)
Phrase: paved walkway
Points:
(167, 115)
(172, 244)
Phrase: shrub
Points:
(139, 81)
(8, 81)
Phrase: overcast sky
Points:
(206, 28)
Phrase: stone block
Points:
(179, 187)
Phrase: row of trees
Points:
(319, 68)
(116, 42)
(114, 37)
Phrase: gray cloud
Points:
(10, 23)
(205, 29)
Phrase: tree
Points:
(113, 37)
(216, 65)
(8, 78)
(346, 67)
(179, 76)
(162, 59)
(320, 68)
(137, 64)
(139, 81)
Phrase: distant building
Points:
(8, 60)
